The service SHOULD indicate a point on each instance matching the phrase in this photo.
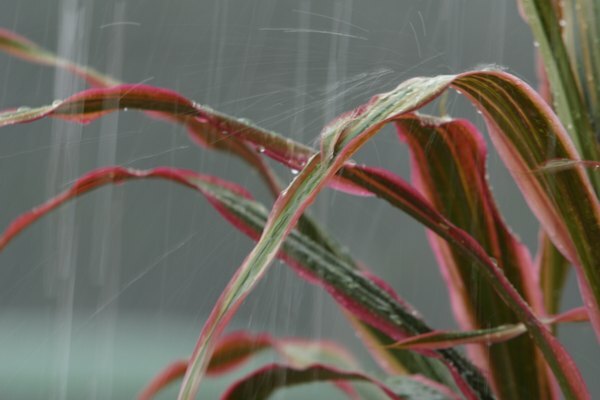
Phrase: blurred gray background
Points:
(97, 298)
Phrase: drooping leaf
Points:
(236, 348)
(446, 339)
(364, 296)
(210, 136)
(448, 167)
(114, 175)
(203, 134)
(262, 383)
(301, 353)
(346, 135)
(397, 195)
(285, 214)
(564, 202)
(206, 126)
(162, 105)
(91, 104)
(434, 86)
(534, 329)
(21, 47)
(206, 135)
(87, 105)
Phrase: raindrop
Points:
(536, 44)
(562, 23)
(125, 109)
(444, 226)
(294, 171)
(260, 149)
(56, 103)
(23, 109)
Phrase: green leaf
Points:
(446, 339)
(448, 167)
(570, 243)
(527, 135)
(567, 88)
(236, 348)
(360, 293)
(261, 384)
(553, 268)
(580, 24)
(206, 135)
(346, 135)
(383, 108)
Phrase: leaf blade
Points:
(236, 348)
(445, 339)
(376, 305)
(387, 109)
(545, 24)
(448, 167)
(263, 382)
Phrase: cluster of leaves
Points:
(504, 300)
